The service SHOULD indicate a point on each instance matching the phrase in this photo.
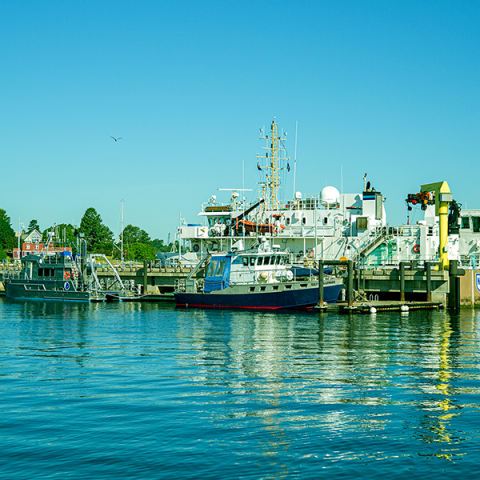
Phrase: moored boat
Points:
(56, 276)
(257, 278)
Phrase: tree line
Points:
(100, 239)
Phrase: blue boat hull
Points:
(303, 298)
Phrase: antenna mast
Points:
(273, 156)
(121, 255)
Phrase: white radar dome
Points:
(329, 195)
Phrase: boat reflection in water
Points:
(338, 388)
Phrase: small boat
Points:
(53, 276)
(252, 227)
(258, 278)
(64, 277)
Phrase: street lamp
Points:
(19, 235)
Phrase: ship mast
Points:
(274, 155)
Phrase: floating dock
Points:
(379, 306)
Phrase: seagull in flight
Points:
(119, 138)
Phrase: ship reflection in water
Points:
(149, 391)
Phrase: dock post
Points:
(320, 284)
(428, 268)
(350, 283)
(454, 300)
(402, 281)
(145, 277)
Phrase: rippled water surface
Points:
(146, 391)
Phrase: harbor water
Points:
(148, 391)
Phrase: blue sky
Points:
(385, 88)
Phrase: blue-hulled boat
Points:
(258, 278)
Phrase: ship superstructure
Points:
(329, 225)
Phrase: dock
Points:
(378, 306)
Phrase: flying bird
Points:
(119, 138)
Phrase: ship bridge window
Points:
(325, 220)
(252, 261)
(245, 261)
(260, 261)
(287, 221)
(221, 268)
(362, 223)
(46, 272)
(304, 220)
(266, 261)
(212, 268)
(476, 224)
(465, 222)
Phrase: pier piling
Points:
(402, 281)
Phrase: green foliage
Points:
(33, 225)
(159, 246)
(11, 242)
(4, 217)
(133, 235)
(6, 230)
(63, 231)
(141, 251)
(3, 255)
(98, 236)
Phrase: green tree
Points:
(98, 236)
(159, 246)
(141, 251)
(33, 225)
(11, 242)
(6, 230)
(133, 234)
(64, 231)
(3, 255)
(4, 216)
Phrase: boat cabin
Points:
(49, 267)
(250, 266)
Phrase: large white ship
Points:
(330, 225)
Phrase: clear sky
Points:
(388, 88)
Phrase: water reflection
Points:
(346, 372)
(277, 392)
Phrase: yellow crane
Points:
(443, 198)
